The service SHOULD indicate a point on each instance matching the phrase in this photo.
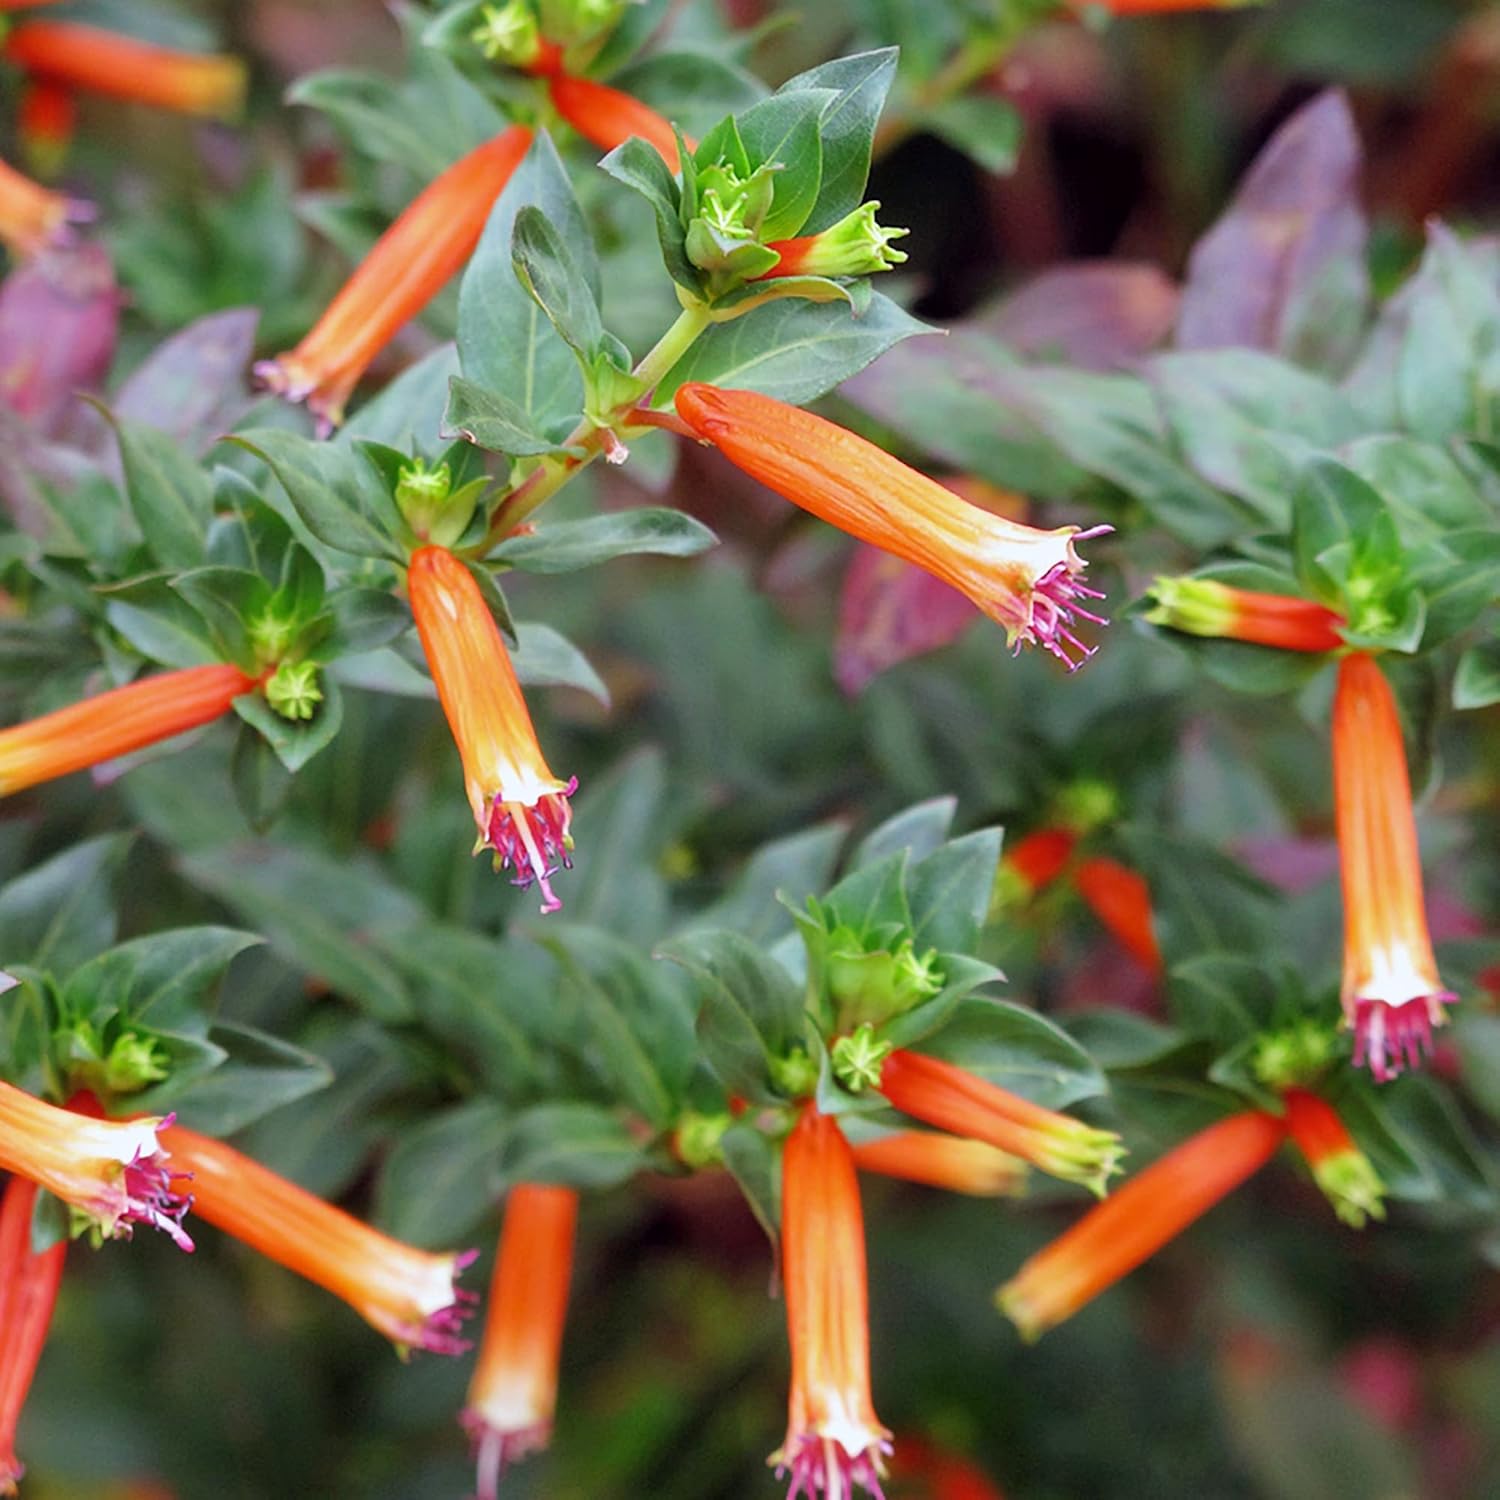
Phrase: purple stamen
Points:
(495, 1451)
(822, 1466)
(533, 841)
(1389, 1037)
(150, 1199)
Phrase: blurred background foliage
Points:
(1269, 1354)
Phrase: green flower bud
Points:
(858, 1058)
(1085, 805)
(293, 690)
(1293, 1057)
(795, 1074)
(271, 636)
(872, 986)
(697, 1137)
(855, 246)
(509, 33)
(130, 1064)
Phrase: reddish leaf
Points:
(1283, 269)
(1098, 315)
(59, 320)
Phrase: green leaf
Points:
(316, 912)
(259, 1073)
(61, 913)
(333, 491)
(408, 412)
(784, 129)
(871, 897)
(546, 267)
(360, 620)
(1331, 507)
(951, 890)
(982, 126)
(1477, 682)
(919, 830)
(160, 623)
(494, 421)
(444, 1176)
(792, 350)
(962, 975)
(750, 1010)
(170, 494)
(573, 1145)
(754, 1161)
(847, 127)
(295, 741)
(791, 869)
(505, 342)
(225, 598)
(567, 546)
(545, 658)
(162, 980)
(1019, 1050)
(640, 166)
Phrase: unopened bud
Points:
(858, 1059)
(293, 690)
(855, 246)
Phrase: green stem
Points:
(544, 481)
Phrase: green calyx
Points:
(1352, 1185)
(271, 635)
(1195, 606)
(697, 1139)
(868, 986)
(858, 1059)
(856, 246)
(1295, 1056)
(1085, 805)
(510, 34)
(723, 229)
(794, 1074)
(292, 690)
(430, 506)
(124, 1066)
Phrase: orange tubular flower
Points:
(114, 1171)
(1039, 858)
(1026, 580)
(104, 62)
(45, 124)
(945, 1096)
(1203, 606)
(944, 1161)
(1391, 992)
(32, 217)
(1121, 900)
(609, 118)
(1346, 1175)
(834, 1440)
(1114, 1237)
(407, 1294)
(115, 723)
(406, 269)
(520, 806)
(513, 1393)
(28, 1290)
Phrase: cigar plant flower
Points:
(114, 1172)
(834, 1440)
(409, 1295)
(513, 1392)
(1392, 995)
(1028, 581)
(408, 266)
(1206, 607)
(520, 807)
(31, 216)
(609, 117)
(1346, 1175)
(949, 1162)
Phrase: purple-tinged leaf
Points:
(1099, 315)
(1284, 267)
(193, 385)
(890, 611)
(59, 320)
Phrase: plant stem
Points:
(673, 344)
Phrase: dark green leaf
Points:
(566, 546)
(170, 494)
(61, 913)
(493, 421)
(444, 1176)
(982, 126)
(574, 1145)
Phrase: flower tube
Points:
(28, 1291)
(31, 216)
(513, 1393)
(407, 1294)
(45, 125)
(609, 118)
(113, 1171)
(1154, 1206)
(947, 1097)
(834, 1440)
(1038, 859)
(1205, 607)
(105, 62)
(115, 723)
(1028, 581)
(1346, 1175)
(1392, 995)
(944, 1161)
(1121, 900)
(520, 807)
(408, 266)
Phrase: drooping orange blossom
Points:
(1206, 607)
(28, 1291)
(1121, 899)
(943, 1161)
(407, 1294)
(513, 1392)
(1027, 580)
(950, 1098)
(1392, 995)
(609, 117)
(116, 722)
(106, 62)
(519, 806)
(834, 1440)
(1146, 1211)
(407, 267)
